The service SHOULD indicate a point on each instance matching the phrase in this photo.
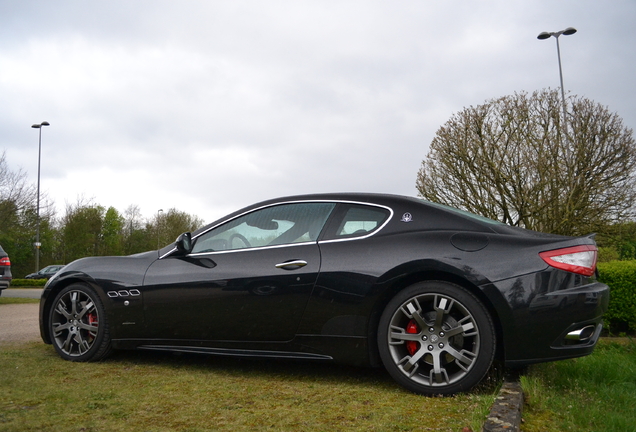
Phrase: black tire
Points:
(78, 325)
(435, 353)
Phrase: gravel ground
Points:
(19, 323)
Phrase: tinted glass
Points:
(278, 225)
(360, 220)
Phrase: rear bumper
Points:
(542, 324)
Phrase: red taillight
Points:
(576, 259)
(5, 261)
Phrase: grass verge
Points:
(133, 391)
(593, 393)
(16, 300)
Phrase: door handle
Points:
(291, 265)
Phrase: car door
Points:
(248, 279)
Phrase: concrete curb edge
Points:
(505, 413)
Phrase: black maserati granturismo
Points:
(432, 293)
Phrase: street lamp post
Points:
(546, 35)
(37, 243)
(159, 212)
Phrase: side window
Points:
(277, 225)
(360, 220)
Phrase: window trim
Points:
(361, 237)
(318, 241)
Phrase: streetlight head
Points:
(45, 123)
(544, 35)
(569, 31)
(36, 126)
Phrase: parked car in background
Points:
(5, 270)
(432, 293)
(46, 272)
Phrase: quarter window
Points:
(360, 220)
(277, 225)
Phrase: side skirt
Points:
(236, 352)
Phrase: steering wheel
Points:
(241, 237)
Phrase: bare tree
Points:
(15, 193)
(513, 159)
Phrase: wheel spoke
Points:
(461, 329)
(438, 374)
(61, 309)
(74, 295)
(88, 327)
(413, 310)
(82, 344)
(442, 308)
(411, 361)
(58, 328)
(401, 335)
(66, 346)
(463, 356)
(87, 307)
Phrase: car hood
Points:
(121, 271)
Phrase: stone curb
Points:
(505, 413)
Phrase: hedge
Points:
(621, 278)
(15, 283)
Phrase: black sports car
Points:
(430, 292)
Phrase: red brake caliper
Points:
(412, 346)
(92, 319)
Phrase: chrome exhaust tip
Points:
(581, 335)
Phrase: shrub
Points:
(621, 278)
(15, 283)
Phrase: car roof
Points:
(399, 203)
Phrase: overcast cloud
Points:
(207, 106)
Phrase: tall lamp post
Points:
(547, 35)
(159, 212)
(37, 243)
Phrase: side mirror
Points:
(184, 243)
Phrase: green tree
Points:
(136, 239)
(112, 233)
(18, 221)
(513, 159)
(167, 226)
(81, 231)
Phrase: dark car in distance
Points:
(5, 270)
(431, 293)
(45, 273)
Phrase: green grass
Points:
(144, 391)
(593, 393)
(16, 300)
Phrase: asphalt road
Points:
(34, 293)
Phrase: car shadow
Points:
(301, 371)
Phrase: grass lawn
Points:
(593, 393)
(144, 391)
(16, 300)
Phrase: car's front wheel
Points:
(78, 325)
(436, 338)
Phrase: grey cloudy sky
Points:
(207, 106)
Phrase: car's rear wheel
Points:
(436, 338)
(78, 325)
